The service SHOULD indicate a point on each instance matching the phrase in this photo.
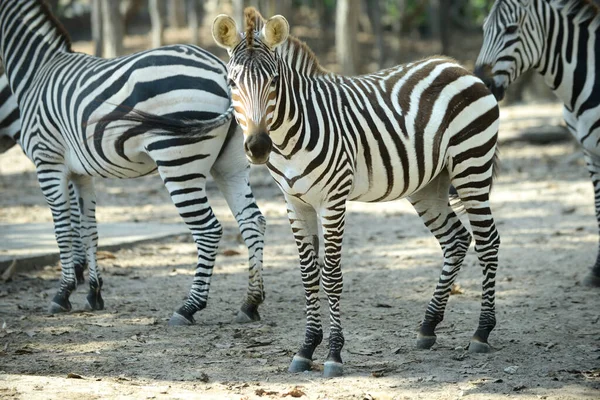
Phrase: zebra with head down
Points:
(408, 131)
(560, 39)
(83, 117)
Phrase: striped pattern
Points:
(560, 39)
(408, 131)
(77, 124)
(10, 133)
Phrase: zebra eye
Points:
(232, 84)
(511, 29)
(274, 80)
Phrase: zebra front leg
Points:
(231, 173)
(189, 196)
(79, 250)
(54, 184)
(89, 238)
(303, 221)
(333, 221)
(431, 203)
(593, 165)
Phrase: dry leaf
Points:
(23, 350)
(231, 253)
(71, 375)
(105, 255)
(456, 289)
(263, 392)
(295, 392)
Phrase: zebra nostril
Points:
(247, 148)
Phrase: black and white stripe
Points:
(560, 39)
(408, 131)
(85, 117)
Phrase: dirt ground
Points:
(546, 344)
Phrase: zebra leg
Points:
(303, 221)
(593, 165)
(431, 203)
(333, 221)
(55, 187)
(78, 248)
(487, 241)
(234, 183)
(189, 196)
(89, 237)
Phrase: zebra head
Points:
(253, 72)
(513, 41)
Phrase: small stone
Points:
(511, 370)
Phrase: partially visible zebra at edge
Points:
(85, 117)
(560, 39)
(10, 133)
(408, 131)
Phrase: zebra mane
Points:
(59, 28)
(587, 9)
(254, 23)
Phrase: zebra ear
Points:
(275, 31)
(225, 33)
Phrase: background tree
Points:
(346, 28)
(112, 28)
(157, 32)
(195, 17)
(96, 23)
(176, 11)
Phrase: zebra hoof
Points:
(332, 369)
(300, 364)
(425, 342)
(60, 303)
(94, 301)
(592, 280)
(56, 308)
(247, 314)
(479, 347)
(179, 320)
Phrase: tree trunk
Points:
(445, 30)
(130, 9)
(195, 15)
(112, 28)
(96, 22)
(238, 13)
(374, 11)
(177, 13)
(346, 27)
(156, 9)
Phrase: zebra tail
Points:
(161, 125)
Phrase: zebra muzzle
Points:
(484, 72)
(258, 147)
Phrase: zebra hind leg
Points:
(89, 238)
(593, 164)
(188, 193)
(487, 241)
(431, 203)
(231, 174)
(55, 189)
(79, 257)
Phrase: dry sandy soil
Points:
(546, 343)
